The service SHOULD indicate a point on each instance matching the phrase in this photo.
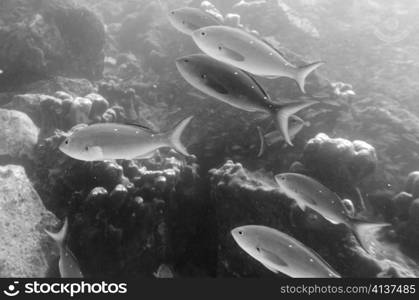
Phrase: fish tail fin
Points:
(360, 228)
(262, 142)
(304, 71)
(60, 236)
(281, 120)
(282, 113)
(175, 135)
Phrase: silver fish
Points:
(280, 252)
(119, 141)
(188, 19)
(296, 124)
(308, 192)
(68, 265)
(236, 88)
(245, 51)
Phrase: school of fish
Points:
(225, 71)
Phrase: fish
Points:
(296, 124)
(68, 264)
(109, 141)
(308, 192)
(164, 271)
(281, 253)
(245, 51)
(188, 19)
(237, 88)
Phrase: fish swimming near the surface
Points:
(280, 252)
(246, 51)
(68, 265)
(308, 192)
(296, 124)
(164, 271)
(104, 141)
(236, 88)
(188, 19)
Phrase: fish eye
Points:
(172, 12)
(204, 76)
(220, 48)
(241, 232)
(258, 249)
(86, 148)
(203, 33)
(186, 60)
(66, 142)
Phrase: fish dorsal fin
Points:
(261, 89)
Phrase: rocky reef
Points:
(68, 63)
(49, 38)
(243, 197)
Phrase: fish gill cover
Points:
(351, 68)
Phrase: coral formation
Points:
(243, 197)
(54, 38)
(129, 217)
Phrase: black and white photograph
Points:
(224, 139)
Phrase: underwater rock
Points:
(124, 215)
(19, 134)
(45, 111)
(26, 250)
(99, 105)
(73, 86)
(401, 203)
(80, 111)
(412, 184)
(242, 198)
(339, 158)
(54, 38)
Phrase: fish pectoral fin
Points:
(232, 54)
(273, 257)
(214, 84)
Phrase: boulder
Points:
(25, 251)
(19, 134)
(50, 38)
